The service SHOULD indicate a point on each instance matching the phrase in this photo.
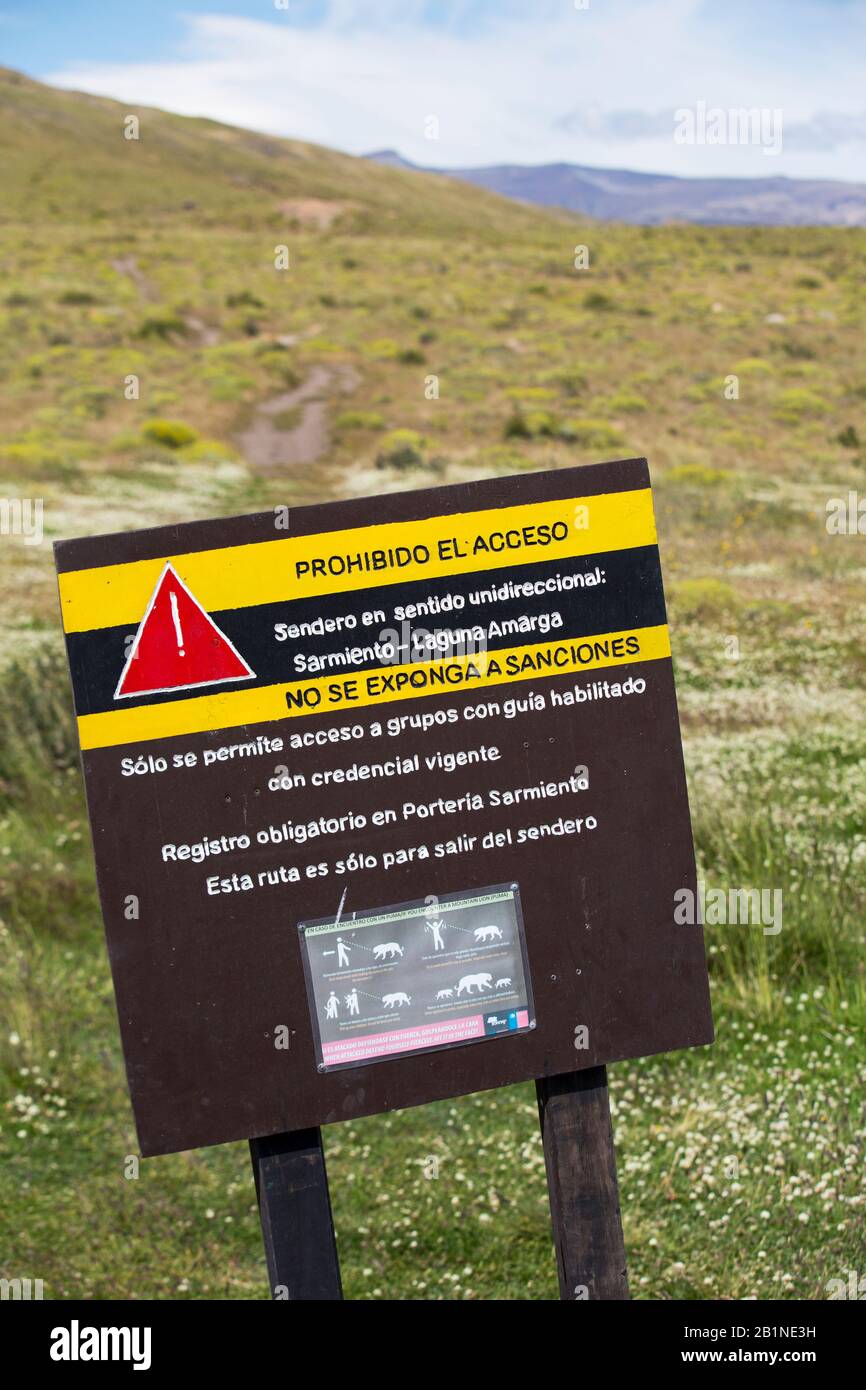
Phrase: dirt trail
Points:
(264, 445)
(207, 336)
(198, 329)
(267, 447)
(128, 265)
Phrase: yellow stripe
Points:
(234, 708)
(242, 576)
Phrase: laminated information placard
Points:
(417, 976)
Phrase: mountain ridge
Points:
(625, 195)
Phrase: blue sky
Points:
(479, 81)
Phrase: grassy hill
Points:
(156, 365)
(65, 155)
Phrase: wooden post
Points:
(574, 1110)
(295, 1211)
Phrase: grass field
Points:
(447, 335)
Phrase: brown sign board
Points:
(387, 799)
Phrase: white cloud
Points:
(829, 130)
(523, 85)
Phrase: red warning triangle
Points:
(178, 646)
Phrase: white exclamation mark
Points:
(178, 631)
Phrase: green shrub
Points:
(516, 426)
(382, 348)
(276, 361)
(631, 402)
(796, 403)
(753, 366)
(244, 299)
(222, 386)
(572, 383)
(531, 393)
(325, 345)
(401, 450)
(93, 402)
(37, 729)
(848, 438)
(209, 451)
(704, 599)
(591, 434)
(541, 422)
(172, 434)
(77, 297)
(42, 459)
(504, 459)
(531, 425)
(126, 442)
(696, 475)
(360, 420)
(800, 352)
(162, 326)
